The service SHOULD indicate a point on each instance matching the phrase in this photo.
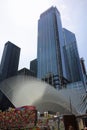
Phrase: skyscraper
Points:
(57, 52)
(72, 60)
(33, 66)
(10, 60)
(50, 54)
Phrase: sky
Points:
(19, 23)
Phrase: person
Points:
(85, 128)
(71, 128)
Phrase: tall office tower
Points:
(33, 66)
(10, 60)
(50, 45)
(72, 60)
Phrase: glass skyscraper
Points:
(50, 44)
(57, 52)
(10, 60)
(72, 60)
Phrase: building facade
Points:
(72, 59)
(57, 52)
(50, 45)
(33, 66)
(84, 71)
(27, 72)
(10, 60)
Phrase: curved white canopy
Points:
(26, 90)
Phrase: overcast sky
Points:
(19, 23)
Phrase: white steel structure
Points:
(26, 90)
